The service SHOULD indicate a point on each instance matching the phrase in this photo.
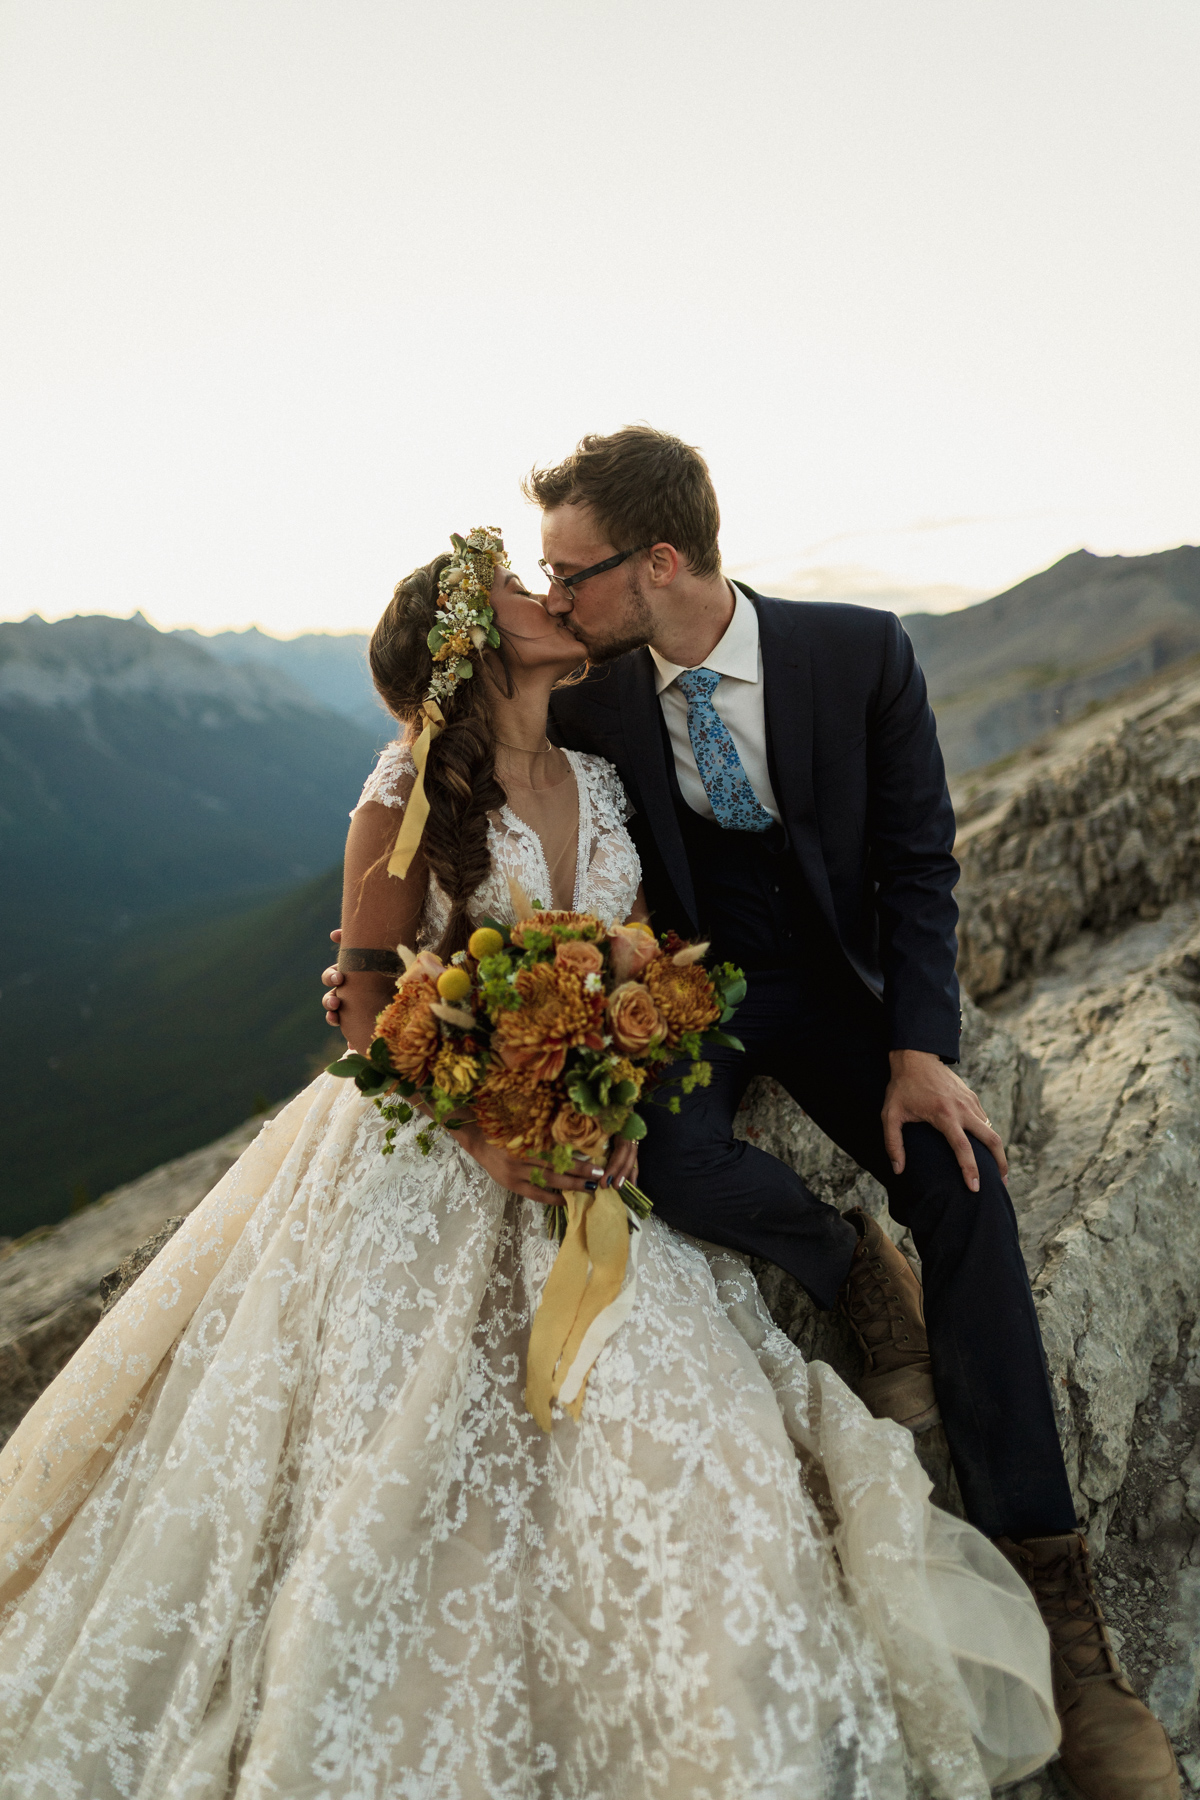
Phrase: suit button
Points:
(775, 890)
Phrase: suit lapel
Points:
(788, 710)
(641, 724)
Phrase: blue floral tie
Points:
(726, 783)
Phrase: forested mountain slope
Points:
(138, 773)
(159, 810)
(160, 1045)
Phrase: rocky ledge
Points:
(1096, 826)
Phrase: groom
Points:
(791, 806)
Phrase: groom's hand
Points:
(333, 979)
(924, 1090)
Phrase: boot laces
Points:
(1067, 1601)
(870, 1302)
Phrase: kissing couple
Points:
(284, 1525)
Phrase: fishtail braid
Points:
(460, 773)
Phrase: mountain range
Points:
(154, 799)
(1003, 672)
(330, 666)
(139, 773)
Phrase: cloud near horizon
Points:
(860, 585)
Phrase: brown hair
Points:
(644, 486)
(460, 773)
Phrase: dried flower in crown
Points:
(465, 622)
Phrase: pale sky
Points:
(290, 290)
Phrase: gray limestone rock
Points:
(1096, 828)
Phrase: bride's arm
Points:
(379, 911)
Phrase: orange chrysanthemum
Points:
(683, 995)
(409, 1029)
(516, 1110)
(453, 1072)
(556, 1013)
(554, 922)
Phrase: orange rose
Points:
(633, 946)
(578, 957)
(514, 1109)
(684, 997)
(555, 1015)
(633, 1018)
(580, 1132)
(409, 1029)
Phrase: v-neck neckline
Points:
(583, 835)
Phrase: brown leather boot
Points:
(1113, 1748)
(883, 1301)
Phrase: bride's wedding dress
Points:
(283, 1527)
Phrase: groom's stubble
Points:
(632, 627)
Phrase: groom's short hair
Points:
(644, 486)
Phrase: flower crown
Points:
(465, 621)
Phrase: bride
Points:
(283, 1527)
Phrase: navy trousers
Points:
(821, 1035)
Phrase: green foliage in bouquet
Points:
(551, 1034)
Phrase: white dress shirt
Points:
(738, 698)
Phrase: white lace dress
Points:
(284, 1528)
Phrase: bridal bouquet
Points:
(552, 1036)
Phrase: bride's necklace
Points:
(526, 777)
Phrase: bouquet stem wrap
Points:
(584, 1301)
(412, 827)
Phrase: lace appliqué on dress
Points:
(607, 871)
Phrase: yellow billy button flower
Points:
(454, 985)
(485, 942)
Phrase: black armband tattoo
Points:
(368, 962)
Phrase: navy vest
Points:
(752, 900)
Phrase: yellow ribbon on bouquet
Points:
(584, 1301)
(412, 826)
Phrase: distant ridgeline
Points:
(154, 799)
(331, 666)
(1003, 672)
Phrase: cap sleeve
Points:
(391, 780)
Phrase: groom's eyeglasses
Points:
(569, 583)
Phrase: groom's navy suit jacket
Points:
(856, 769)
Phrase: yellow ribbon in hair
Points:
(579, 1311)
(412, 826)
